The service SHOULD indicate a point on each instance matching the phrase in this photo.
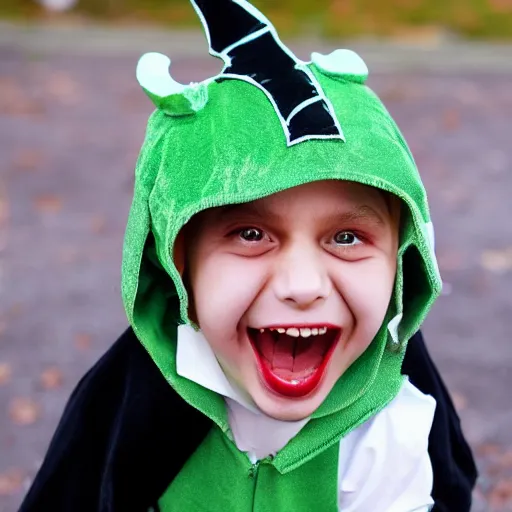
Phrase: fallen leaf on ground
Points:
(98, 224)
(51, 378)
(451, 119)
(498, 261)
(64, 87)
(396, 93)
(28, 159)
(15, 102)
(15, 309)
(24, 411)
(5, 373)
(501, 494)
(4, 206)
(11, 482)
(83, 341)
(48, 203)
(488, 449)
(504, 461)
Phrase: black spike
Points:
(265, 61)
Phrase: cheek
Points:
(367, 290)
(224, 287)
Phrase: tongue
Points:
(265, 343)
(283, 353)
(290, 356)
(309, 354)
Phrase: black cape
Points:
(125, 434)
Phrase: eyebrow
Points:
(252, 209)
(358, 213)
(362, 212)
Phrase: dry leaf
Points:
(503, 461)
(501, 494)
(451, 119)
(15, 309)
(506, 459)
(48, 203)
(64, 87)
(488, 449)
(498, 261)
(5, 373)
(83, 341)
(98, 224)
(11, 482)
(51, 378)
(24, 411)
(4, 207)
(15, 102)
(396, 93)
(27, 160)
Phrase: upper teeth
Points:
(295, 332)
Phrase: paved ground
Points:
(71, 122)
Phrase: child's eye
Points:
(251, 234)
(346, 238)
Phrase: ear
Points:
(179, 252)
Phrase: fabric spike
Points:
(344, 64)
(171, 97)
(251, 50)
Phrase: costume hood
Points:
(268, 122)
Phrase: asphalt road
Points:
(72, 119)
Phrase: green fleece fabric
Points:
(219, 478)
(232, 150)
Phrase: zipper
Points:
(253, 471)
(253, 474)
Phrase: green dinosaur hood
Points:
(230, 147)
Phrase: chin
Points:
(289, 409)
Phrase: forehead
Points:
(319, 199)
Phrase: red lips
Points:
(293, 366)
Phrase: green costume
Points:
(266, 123)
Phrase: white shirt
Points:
(383, 464)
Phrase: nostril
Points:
(304, 300)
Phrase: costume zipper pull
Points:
(253, 470)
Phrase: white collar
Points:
(196, 361)
(254, 432)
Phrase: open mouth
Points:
(293, 360)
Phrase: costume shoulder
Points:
(123, 437)
(452, 462)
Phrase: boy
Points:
(278, 257)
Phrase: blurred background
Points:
(72, 119)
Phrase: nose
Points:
(301, 279)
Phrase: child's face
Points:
(317, 261)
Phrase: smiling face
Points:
(290, 290)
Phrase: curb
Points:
(435, 55)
